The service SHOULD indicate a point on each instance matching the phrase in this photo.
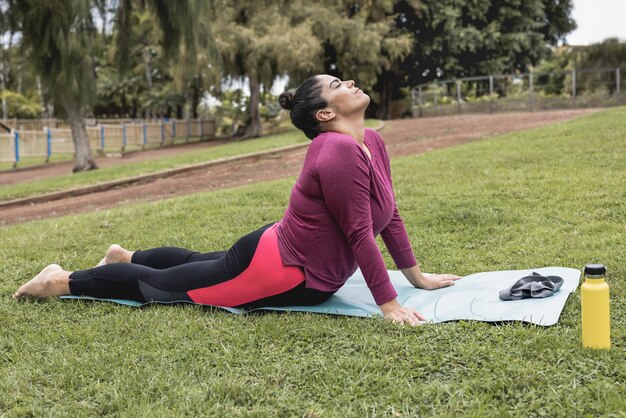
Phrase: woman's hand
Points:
(428, 281)
(396, 313)
(436, 281)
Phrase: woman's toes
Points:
(40, 284)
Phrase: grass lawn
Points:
(35, 161)
(61, 157)
(35, 187)
(554, 196)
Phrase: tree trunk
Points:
(253, 130)
(195, 101)
(84, 157)
(4, 75)
(5, 111)
(123, 106)
(134, 105)
(384, 107)
(41, 99)
(147, 59)
(19, 78)
(49, 111)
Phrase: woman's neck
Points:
(353, 127)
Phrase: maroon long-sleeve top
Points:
(341, 201)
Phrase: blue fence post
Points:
(173, 128)
(102, 138)
(162, 132)
(124, 133)
(145, 135)
(49, 135)
(17, 149)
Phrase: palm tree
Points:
(58, 36)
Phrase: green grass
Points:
(553, 196)
(35, 187)
(64, 157)
(35, 161)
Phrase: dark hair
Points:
(303, 104)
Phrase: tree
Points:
(260, 40)
(610, 53)
(59, 36)
(603, 58)
(11, 62)
(551, 76)
(137, 88)
(20, 106)
(361, 41)
(607, 55)
(460, 39)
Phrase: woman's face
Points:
(343, 97)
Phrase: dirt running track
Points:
(402, 137)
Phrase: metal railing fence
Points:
(49, 141)
(521, 92)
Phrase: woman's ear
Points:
(325, 115)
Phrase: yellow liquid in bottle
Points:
(595, 313)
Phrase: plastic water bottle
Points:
(594, 296)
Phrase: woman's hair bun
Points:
(286, 100)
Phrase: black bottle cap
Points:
(595, 270)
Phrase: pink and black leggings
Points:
(249, 275)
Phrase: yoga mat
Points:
(474, 297)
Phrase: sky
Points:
(598, 20)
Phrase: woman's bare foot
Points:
(116, 254)
(52, 281)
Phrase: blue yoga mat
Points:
(475, 297)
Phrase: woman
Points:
(341, 201)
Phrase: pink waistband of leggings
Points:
(265, 276)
